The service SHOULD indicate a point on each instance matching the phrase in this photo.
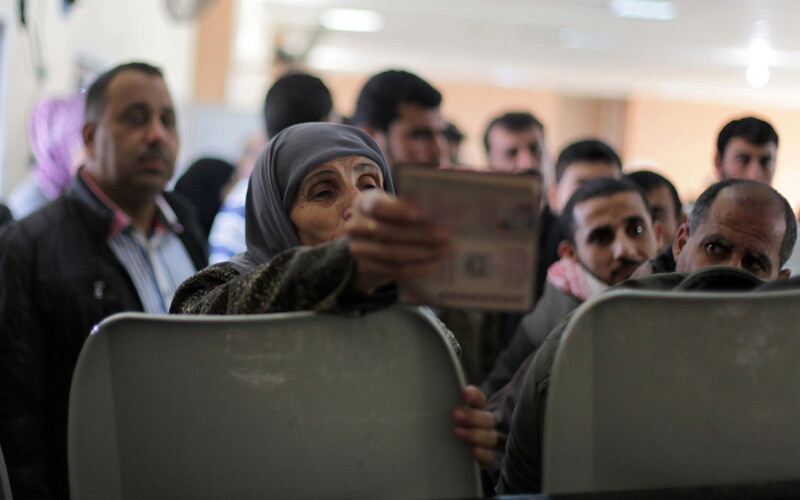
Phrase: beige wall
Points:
(213, 52)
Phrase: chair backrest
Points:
(655, 390)
(5, 485)
(297, 405)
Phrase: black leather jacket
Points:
(58, 278)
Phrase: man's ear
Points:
(89, 134)
(784, 273)
(658, 231)
(380, 137)
(681, 238)
(370, 130)
(552, 198)
(566, 250)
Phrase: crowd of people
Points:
(312, 223)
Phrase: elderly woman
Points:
(323, 235)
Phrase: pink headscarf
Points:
(56, 142)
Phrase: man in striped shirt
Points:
(113, 242)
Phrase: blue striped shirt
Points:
(227, 236)
(157, 264)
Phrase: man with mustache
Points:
(577, 164)
(514, 143)
(609, 233)
(113, 242)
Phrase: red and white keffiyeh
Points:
(569, 276)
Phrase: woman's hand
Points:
(475, 425)
(391, 241)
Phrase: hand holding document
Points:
(492, 219)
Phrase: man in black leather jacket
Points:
(80, 259)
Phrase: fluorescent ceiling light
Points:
(352, 20)
(332, 58)
(653, 10)
(757, 75)
(758, 52)
(509, 76)
(581, 39)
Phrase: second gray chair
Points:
(275, 406)
(653, 390)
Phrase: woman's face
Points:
(324, 200)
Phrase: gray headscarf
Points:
(278, 172)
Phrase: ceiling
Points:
(703, 53)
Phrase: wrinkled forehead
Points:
(346, 166)
(748, 220)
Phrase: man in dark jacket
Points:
(112, 242)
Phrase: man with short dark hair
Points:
(453, 137)
(609, 234)
(113, 242)
(747, 149)
(578, 163)
(737, 222)
(296, 98)
(514, 143)
(664, 202)
(401, 112)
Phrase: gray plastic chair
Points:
(654, 390)
(294, 405)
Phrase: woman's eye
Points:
(368, 182)
(322, 194)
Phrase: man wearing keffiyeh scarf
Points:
(610, 232)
